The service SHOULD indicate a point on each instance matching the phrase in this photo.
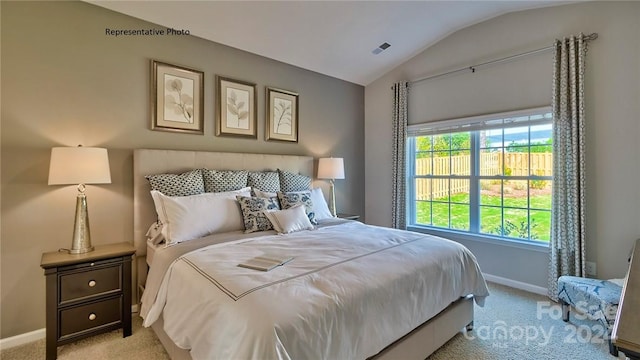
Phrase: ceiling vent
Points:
(381, 48)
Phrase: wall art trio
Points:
(177, 95)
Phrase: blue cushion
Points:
(598, 299)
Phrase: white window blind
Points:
(528, 117)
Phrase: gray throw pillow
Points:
(264, 180)
(185, 184)
(224, 180)
(293, 182)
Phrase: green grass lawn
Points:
(515, 215)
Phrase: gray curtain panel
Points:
(567, 247)
(399, 200)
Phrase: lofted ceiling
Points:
(335, 38)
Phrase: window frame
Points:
(474, 125)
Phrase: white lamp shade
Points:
(79, 165)
(331, 168)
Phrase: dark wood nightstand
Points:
(348, 216)
(87, 294)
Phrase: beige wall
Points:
(64, 82)
(613, 118)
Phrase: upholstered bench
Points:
(596, 299)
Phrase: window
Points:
(489, 175)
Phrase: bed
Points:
(351, 291)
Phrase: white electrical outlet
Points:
(590, 268)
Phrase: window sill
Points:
(458, 235)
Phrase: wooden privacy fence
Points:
(491, 164)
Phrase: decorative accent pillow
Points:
(320, 207)
(253, 212)
(189, 217)
(154, 234)
(289, 220)
(224, 180)
(293, 182)
(265, 181)
(289, 200)
(185, 184)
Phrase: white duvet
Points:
(351, 290)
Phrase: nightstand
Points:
(87, 294)
(348, 216)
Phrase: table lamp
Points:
(79, 165)
(332, 169)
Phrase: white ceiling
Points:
(335, 38)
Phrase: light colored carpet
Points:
(532, 326)
(141, 345)
(534, 330)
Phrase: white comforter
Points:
(351, 290)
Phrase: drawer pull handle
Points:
(92, 316)
(92, 283)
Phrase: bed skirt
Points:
(418, 344)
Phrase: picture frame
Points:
(177, 94)
(281, 115)
(236, 105)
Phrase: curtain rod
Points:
(473, 68)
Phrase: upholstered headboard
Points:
(148, 162)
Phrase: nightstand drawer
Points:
(99, 281)
(77, 319)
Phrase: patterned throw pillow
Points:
(320, 208)
(293, 182)
(264, 180)
(253, 212)
(289, 200)
(185, 184)
(224, 180)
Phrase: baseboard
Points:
(516, 284)
(35, 335)
(22, 339)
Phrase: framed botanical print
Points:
(236, 108)
(177, 95)
(282, 115)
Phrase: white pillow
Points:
(190, 217)
(320, 206)
(264, 194)
(289, 220)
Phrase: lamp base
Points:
(79, 251)
(81, 236)
(333, 198)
